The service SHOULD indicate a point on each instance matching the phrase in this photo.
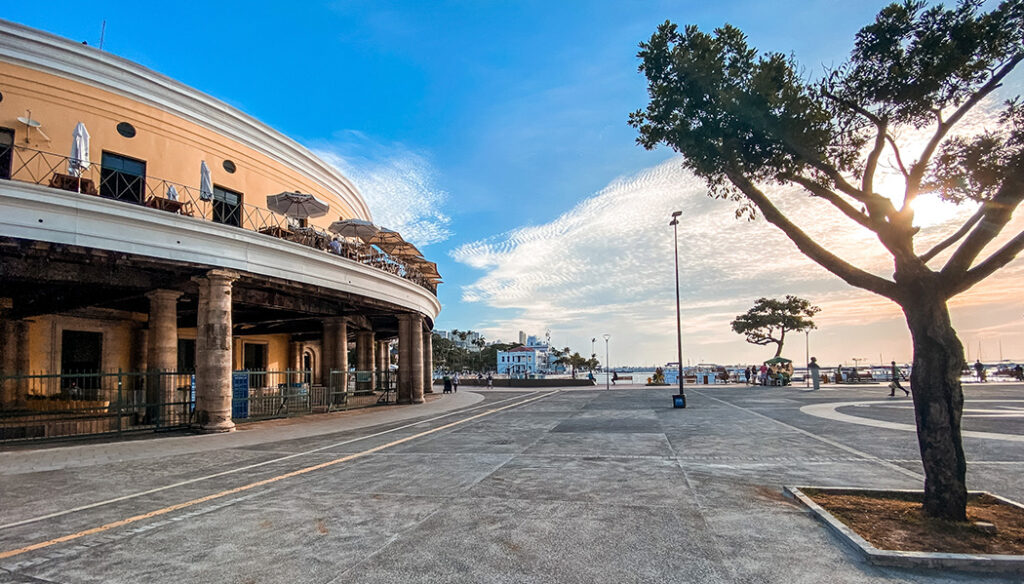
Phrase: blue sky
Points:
(494, 134)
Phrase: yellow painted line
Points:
(243, 488)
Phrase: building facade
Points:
(517, 362)
(156, 249)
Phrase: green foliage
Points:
(769, 320)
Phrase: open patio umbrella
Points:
(404, 250)
(386, 238)
(205, 182)
(79, 160)
(297, 205)
(364, 230)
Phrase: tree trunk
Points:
(782, 339)
(938, 403)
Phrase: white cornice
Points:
(40, 213)
(42, 51)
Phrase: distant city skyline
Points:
(501, 148)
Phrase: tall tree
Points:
(769, 320)
(745, 122)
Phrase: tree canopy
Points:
(769, 320)
(747, 122)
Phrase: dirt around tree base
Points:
(895, 521)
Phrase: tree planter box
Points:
(989, 563)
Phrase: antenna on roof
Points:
(103, 32)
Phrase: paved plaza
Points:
(559, 486)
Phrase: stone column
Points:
(8, 389)
(335, 353)
(364, 360)
(404, 366)
(213, 352)
(428, 361)
(19, 341)
(295, 362)
(327, 350)
(414, 355)
(162, 354)
(383, 363)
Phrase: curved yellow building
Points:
(154, 251)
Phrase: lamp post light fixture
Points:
(807, 355)
(678, 401)
(607, 366)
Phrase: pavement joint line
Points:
(243, 468)
(828, 441)
(183, 505)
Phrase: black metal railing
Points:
(54, 170)
(76, 404)
(91, 403)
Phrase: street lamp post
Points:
(607, 375)
(680, 401)
(807, 356)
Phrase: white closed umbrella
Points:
(205, 182)
(79, 160)
(364, 230)
(297, 205)
(172, 193)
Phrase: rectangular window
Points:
(6, 152)
(254, 358)
(81, 352)
(186, 355)
(123, 178)
(227, 206)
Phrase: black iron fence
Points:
(89, 404)
(54, 170)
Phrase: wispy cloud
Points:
(399, 186)
(607, 266)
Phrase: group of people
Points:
(451, 382)
(778, 374)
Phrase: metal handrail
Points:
(51, 170)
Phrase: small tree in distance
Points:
(769, 320)
(745, 122)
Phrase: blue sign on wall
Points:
(192, 392)
(240, 394)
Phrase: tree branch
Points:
(834, 198)
(867, 183)
(997, 213)
(826, 259)
(899, 159)
(919, 167)
(874, 119)
(964, 229)
(1005, 255)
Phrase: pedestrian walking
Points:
(895, 383)
(490, 381)
(455, 382)
(447, 380)
(1018, 373)
(980, 370)
(815, 370)
(763, 377)
(746, 375)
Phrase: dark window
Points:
(6, 151)
(229, 166)
(227, 206)
(123, 178)
(125, 129)
(81, 353)
(255, 359)
(186, 355)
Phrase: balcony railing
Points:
(49, 169)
